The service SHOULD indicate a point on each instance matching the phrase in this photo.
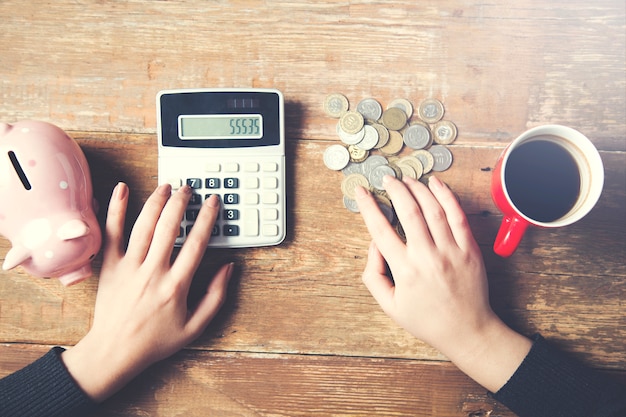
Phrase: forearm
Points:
(43, 388)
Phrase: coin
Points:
(407, 171)
(351, 122)
(414, 163)
(387, 209)
(353, 168)
(444, 132)
(394, 146)
(350, 204)
(357, 154)
(394, 118)
(377, 174)
(426, 158)
(370, 109)
(417, 136)
(336, 157)
(372, 162)
(442, 156)
(370, 139)
(430, 110)
(383, 135)
(350, 138)
(349, 184)
(335, 105)
(404, 105)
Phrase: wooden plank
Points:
(301, 297)
(499, 68)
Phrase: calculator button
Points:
(251, 222)
(231, 198)
(270, 214)
(270, 230)
(215, 231)
(269, 198)
(188, 229)
(251, 199)
(212, 167)
(231, 214)
(191, 215)
(270, 167)
(231, 230)
(251, 183)
(176, 183)
(195, 200)
(212, 183)
(251, 167)
(181, 232)
(231, 182)
(231, 167)
(194, 183)
(270, 183)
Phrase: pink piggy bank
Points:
(46, 202)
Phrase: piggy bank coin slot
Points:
(18, 169)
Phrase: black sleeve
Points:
(43, 388)
(547, 383)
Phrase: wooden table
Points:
(300, 335)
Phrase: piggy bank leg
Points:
(76, 276)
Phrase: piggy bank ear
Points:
(73, 229)
(15, 256)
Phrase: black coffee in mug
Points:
(542, 179)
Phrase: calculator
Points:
(228, 142)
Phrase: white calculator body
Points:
(228, 142)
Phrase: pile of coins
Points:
(373, 140)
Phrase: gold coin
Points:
(350, 182)
(444, 132)
(407, 171)
(430, 110)
(335, 105)
(383, 135)
(394, 118)
(414, 163)
(426, 158)
(397, 170)
(351, 122)
(357, 154)
(395, 144)
(404, 105)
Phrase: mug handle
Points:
(510, 235)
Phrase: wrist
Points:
(491, 354)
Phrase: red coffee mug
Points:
(550, 176)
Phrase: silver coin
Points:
(377, 175)
(387, 211)
(353, 168)
(442, 157)
(336, 157)
(350, 138)
(370, 109)
(370, 139)
(417, 136)
(372, 162)
(350, 204)
(404, 105)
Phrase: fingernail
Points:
(360, 192)
(231, 267)
(387, 179)
(435, 183)
(164, 189)
(213, 201)
(120, 191)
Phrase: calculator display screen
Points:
(220, 126)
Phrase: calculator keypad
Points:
(251, 195)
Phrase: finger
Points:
(195, 245)
(210, 303)
(409, 212)
(114, 226)
(385, 236)
(457, 219)
(433, 214)
(167, 228)
(376, 280)
(143, 230)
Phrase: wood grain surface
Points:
(300, 335)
